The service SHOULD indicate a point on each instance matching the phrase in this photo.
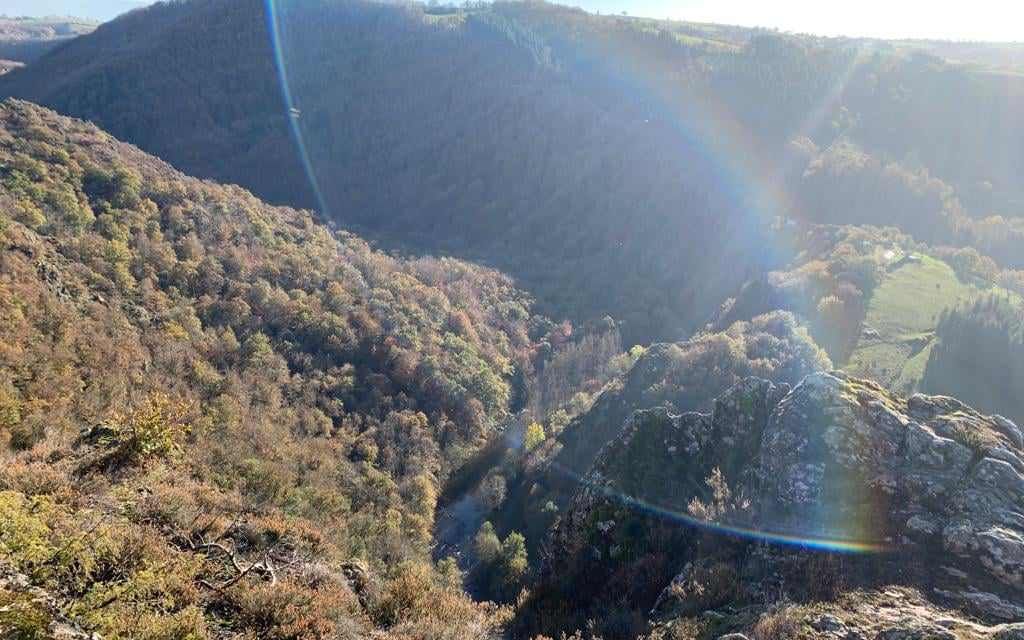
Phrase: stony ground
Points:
(889, 613)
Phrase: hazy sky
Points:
(955, 20)
(96, 9)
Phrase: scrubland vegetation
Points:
(219, 416)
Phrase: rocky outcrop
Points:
(685, 376)
(30, 612)
(812, 491)
(689, 376)
(887, 613)
(840, 459)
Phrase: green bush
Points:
(153, 430)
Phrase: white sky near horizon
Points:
(994, 20)
(93, 9)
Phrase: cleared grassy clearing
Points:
(904, 312)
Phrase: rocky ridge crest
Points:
(923, 493)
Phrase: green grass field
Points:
(904, 312)
(711, 43)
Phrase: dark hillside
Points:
(195, 84)
(979, 355)
(614, 166)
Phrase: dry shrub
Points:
(416, 603)
(278, 531)
(708, 585)
(172, 505)
(35, 477)
(188, 623)
(27, 432)
(689, 629)
(452, 616)
(723, 506)
(155, 429)
(23, 616)
(289, 611)
(405, 594)
(778, 623)
(827, 576)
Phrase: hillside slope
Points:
(222, 121)
(216, 416)
(614, 166)
(977, 354)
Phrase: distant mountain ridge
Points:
(89, 10)
(605, 162)
(26, 39)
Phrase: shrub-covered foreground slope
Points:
(217, 418)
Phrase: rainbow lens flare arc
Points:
(751, 180)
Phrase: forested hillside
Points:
(980, 354)
(218, 416)
(223, 121)
(603, 161)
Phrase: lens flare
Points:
(704, 123)
(834, 96)
(789, 538)
(750, 179)
(291, 108)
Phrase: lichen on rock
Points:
(921, 491)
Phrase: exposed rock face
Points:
(841, 458)
(688, 376)
(889, 613)
(584, 438)
(685, 376)
(927, 491)
(31, 612)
